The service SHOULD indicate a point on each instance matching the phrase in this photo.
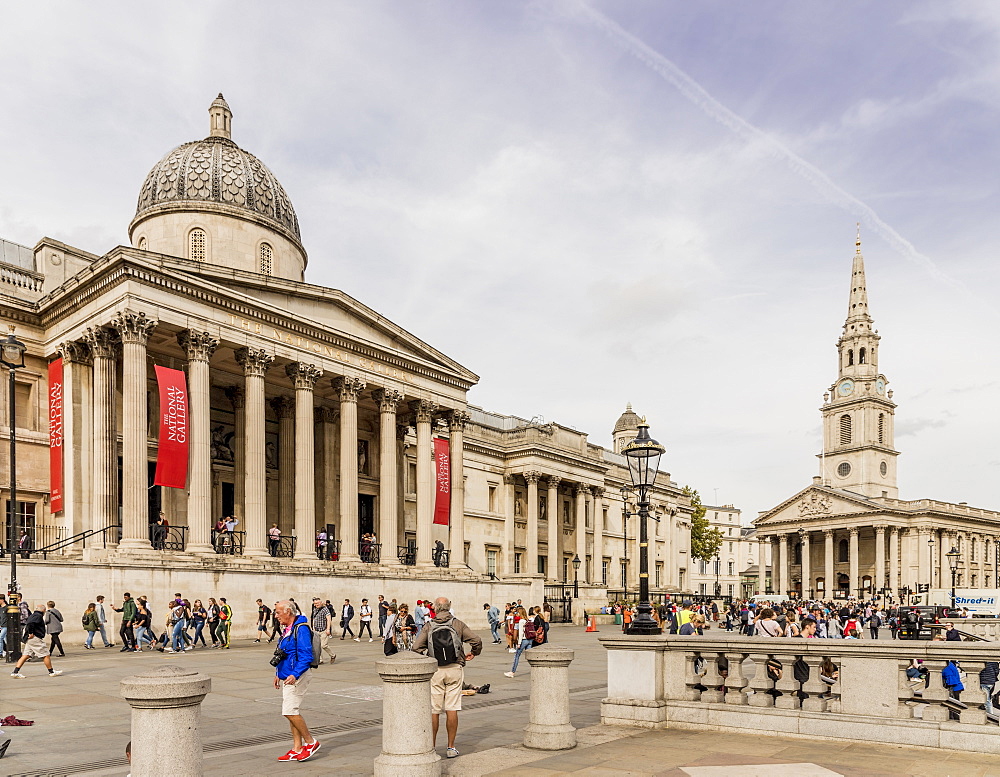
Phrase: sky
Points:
(586, 203)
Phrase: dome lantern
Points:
(221, 124)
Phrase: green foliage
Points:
(705, 541)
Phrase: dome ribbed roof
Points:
(628, 422)
(217, 170)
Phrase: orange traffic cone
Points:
(591, 624)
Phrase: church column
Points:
(830, 585)
(424, 410)
(855, 582)
(329, 418)
(304, 377)
(348, 390)
(554, 552)
(806, 567)
(284, 409)
(907, 573)
(894, 582)
(77, 436)
(879, 581)
(255, 363)
(923, 555)
(529, 565)
(581, 492)
(388, 512)
(134, 330)
(531, 532)
(456, 450)
(597, 554)
(237, 397)
(105, 469)
(199, 347)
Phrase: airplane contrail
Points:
(694, 92)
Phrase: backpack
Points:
(529, 630)
(316, 645)
(444, 643)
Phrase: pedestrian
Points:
(25, 544)
(493, 618)
(322, 624)
(988, 676)
(34, 646)
(404, 628)
(53, 627)
(443, 640)
(275, 627)
(263, 618)
(177, 623)
(346, 616)
(274, 539)
(389, 640)
(541, 633)
(383, 613)
(951, 634)
(225, 623)
(438, 553)
(420, 613)
(143, 626)
(525, 638)
(90, 624)
(874, 623)
(128, 614)
(102, 619)
(766, 625)
(365, 614)
(199, 616)
(213, 620)
(292, 660)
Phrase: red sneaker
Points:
(291, 755)
(308, 750)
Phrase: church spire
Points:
(857, 308)
(221, 119)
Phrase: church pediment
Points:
(813, 504)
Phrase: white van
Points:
(772, 598)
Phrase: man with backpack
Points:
(293, 661)
(443, 639)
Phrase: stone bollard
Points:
(166, 715)
(407, 746)
(548, 717)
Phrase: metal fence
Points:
(230, 543)
(284, 547)
(370, 552)
(407, 554)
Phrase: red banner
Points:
(442, 476)
(172, 455)
(56, 436)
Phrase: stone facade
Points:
(721, 575)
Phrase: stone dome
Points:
(628, 422)
(215, 170)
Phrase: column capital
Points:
(581, 489)
(880, 528)
(388, 399)
(103, 342)
(783, 538)
(402, 429)
(348, 389)
(804, 538)
(133, 327)
(457, 419)
(323, 414)
(75, 352)
(853, 531)
(531, 477)
(254, 361)
(828, 533)
(424, 410)
(509, 479)
(554, 482)
(236, 396)
(303, 375)
(597, 491)
(284, 407)
(199, 345)
(894, 530)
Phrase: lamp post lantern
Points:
(643, 457)
(576, 583)
(12, 357)
(953, 556)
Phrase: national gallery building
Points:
(849, 533)
(340, 443)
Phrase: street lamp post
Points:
(576, 583)
(953, 556)
(643, 456)
(626, 492)
(12, 357)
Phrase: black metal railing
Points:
(442, 558)
(407, 554)
(330, 551)
(169, 538)
(230, 543)
(370, 552)
(97, 537)
(283, 548)
(39, 536)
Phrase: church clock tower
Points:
(858, 411)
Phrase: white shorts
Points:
(35, 648)
(292, 695)
(446, 688)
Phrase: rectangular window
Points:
(586, 515)
(26, 417)
(492, 498)
(732, 568)
(411, 478)
(730, 547)
(517, 563)
(491, 562)
(543, 563)
(659, 575)
(565, 571)
(565, 506)
(702, 589)
(703, 566)
(604, 572)
(624, 574)
(731, 589)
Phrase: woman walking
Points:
(213, 621)
(53, 627)
(177, 621)
(199, 615)
(525, 630)
(405, 628)
(91, 624)
(143, 626)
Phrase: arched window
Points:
(842, 551)
(142, 244)
(265, 259)
(196, 245)
(850, 356)
(881, 427)
(861, 356)
(845, 429)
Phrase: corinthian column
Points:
(806, 566)
(456, 536)
(783, 578)
(199, 347)
(103, 346)
(879, 557)
(134, 330)
(255, 363)
(284, 409)
(581, 493)
(855, 583)
(508, 531)
(894, 583)
(237, 397)
(598, 553)
(304, 377)
(553, 512)
(423, 411)
(531, 535)
(388, 498)
(348, 390)
(78, 435)
(828, 570)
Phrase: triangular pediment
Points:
(815, 504)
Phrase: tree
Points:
(705, 541)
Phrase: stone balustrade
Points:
(788, 687)
(987, 628)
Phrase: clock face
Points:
(846, 388)
(880, 386)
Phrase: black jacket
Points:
(35, 626)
